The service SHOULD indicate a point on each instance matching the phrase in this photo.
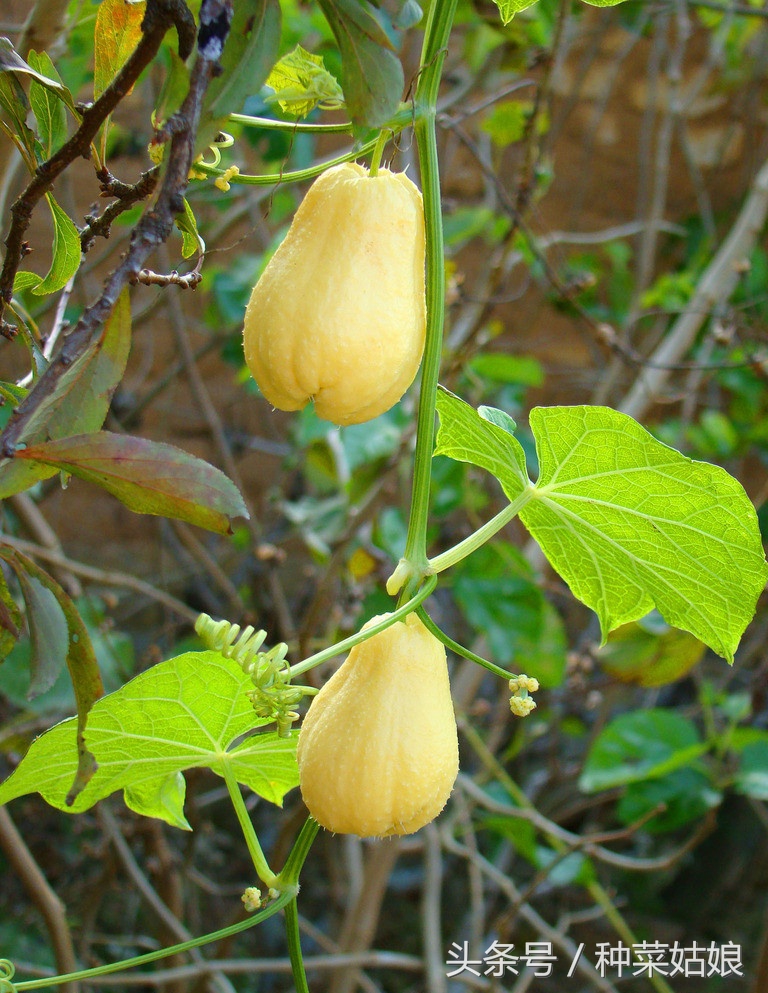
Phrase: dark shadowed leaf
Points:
(14, 103)
(10, 619)
(70, 643)
(148, 477)
(249, 53)
(81, 400)
(372, 76)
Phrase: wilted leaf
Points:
(117, 33)
(81, 400)
(185, 713)
(148, 477)
(12, 62)
(372, 75)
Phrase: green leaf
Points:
(752, 777)
(13, 100)
(507, 121)
(301, 82)
(372, 76)
(182, 714)
(24, 280)
(495, 591)
(48, 631)
(466, 436)
(80, 401)
(684, 795)
(631, 524)
(47, 106)
(646, 744)
(192, 240)
(249, 53)
(66, 251)
(508, 8)
(46, 594)
(148, 477)
(116, 35)
(523, 370)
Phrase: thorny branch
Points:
(152, 230)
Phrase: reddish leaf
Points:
(65, 634)
(149, 477)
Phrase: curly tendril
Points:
(273, 697)
(7, 972)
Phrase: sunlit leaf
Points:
(631, 524)
(186, 713)
(66, 251)
(47, 106)
(301, 82)
(148, 477)
(508, 8)
(116, 35)
(464, 435)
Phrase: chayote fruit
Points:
(378, 749)
(338, 315)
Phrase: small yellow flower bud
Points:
(252, 899)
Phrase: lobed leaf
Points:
(185, 713)
(632, 524)
(148, 477)
(629, 523)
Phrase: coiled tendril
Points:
(7, 971)
(272, 697)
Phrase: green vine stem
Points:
(458, 649)
(356, 639)
(103, 970)
(263, 871)
(470, 544)
(381, 144)
(437, 32)
(294, 947)
(598, 893)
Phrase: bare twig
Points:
(46, 901)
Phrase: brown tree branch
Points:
(46, 901)
(159, 17)
(152, 230)
(127, 195)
